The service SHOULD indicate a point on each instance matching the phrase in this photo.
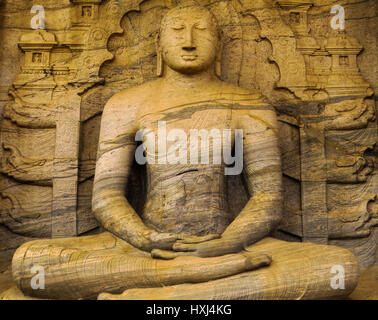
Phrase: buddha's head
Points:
(189, 40)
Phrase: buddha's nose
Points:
(189, 43)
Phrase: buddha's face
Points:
(189, 40)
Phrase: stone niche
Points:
(55, 83)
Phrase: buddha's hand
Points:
(209, 248)
(165, 241)
(216, 248)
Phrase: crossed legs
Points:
(86, 266)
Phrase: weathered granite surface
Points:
(287, 50)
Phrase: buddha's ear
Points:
(159, 57)
(218, 61)
(218, 64)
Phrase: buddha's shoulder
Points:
(244, 96)
(133, 96)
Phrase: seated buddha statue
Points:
(186, 243)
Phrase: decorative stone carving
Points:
(349, 114)
(30, 115)
(58, 67)
(86, 12)
(26, 210)
(345, 78)
(38, 171)
(36, 71)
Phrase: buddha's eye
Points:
(200, 26)
(178, 27)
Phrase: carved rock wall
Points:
(55, 83)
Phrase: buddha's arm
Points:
(115, 155)
(262, 170)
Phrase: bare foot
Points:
(224, 266)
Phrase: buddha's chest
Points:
(185, 130)
(205, 114)
(187, 199)
(186, 181)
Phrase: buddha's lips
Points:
(189, 57)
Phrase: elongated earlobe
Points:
(218, 69)
(159, 66)
(218, 60)
(218, 64)
(159, 56)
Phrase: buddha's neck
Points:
(188, 81)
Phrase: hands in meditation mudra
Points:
(185, 244)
